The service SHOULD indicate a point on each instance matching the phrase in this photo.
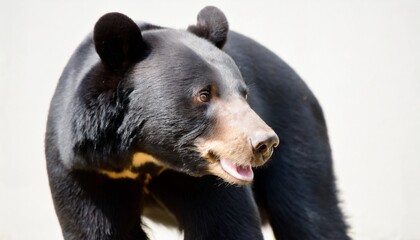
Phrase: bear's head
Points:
(173, 97)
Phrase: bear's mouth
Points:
(239, 171)
(231, 171)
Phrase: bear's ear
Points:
(211, 25)
(118, 41)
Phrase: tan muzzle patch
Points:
(228, 147)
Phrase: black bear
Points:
(176, 125)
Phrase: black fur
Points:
(296, 188)
(211, 25)
(131, 89)
(118, 41)
(206, 210)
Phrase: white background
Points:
(361, 58)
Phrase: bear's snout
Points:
(239, 141)
(263, 144)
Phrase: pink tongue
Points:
(241, 172)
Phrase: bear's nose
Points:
(263, 144)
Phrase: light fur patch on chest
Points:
(139, 159)
(117, 175)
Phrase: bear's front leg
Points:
(207, 208)
(91, 206)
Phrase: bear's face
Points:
(187, 105)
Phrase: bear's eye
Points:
(204, 96)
